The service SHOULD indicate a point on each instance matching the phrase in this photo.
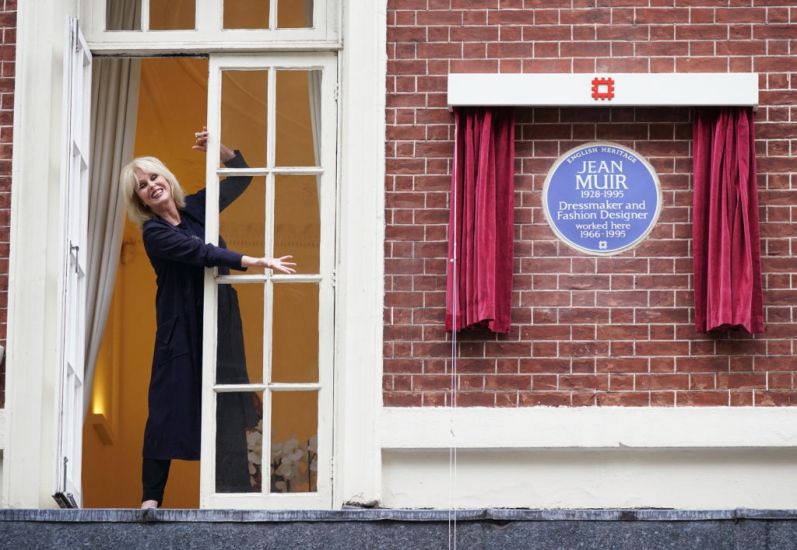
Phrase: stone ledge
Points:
(379, 514)
(631, 529)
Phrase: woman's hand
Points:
(201, 144)
(282, 264)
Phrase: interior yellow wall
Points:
(172, 106)
(172, 14)
(238, 14)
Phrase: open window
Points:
(72, 321)
(31, 416)
(285, 108)
(280, 110)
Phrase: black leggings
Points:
(154, 474)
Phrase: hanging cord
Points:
(452, 449)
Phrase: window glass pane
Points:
(239, 429)
(295, 14)
(242, 223)
(172, 14)
(239, 346)
(294, 420)
(123, 15)
(298, 118)
(297, 229)
(167, 120)
(294, 347)
(243, 113)
(246, 14)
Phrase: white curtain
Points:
(114, 103)
(123, 15)
(314, 93)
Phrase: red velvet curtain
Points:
(725, 237)
(480, 233)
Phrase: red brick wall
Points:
(585, 330)
(8, 40)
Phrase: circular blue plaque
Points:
(601, 198)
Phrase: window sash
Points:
(72, 325)
(326, 172)
(208, 35)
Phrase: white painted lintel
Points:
(204, 47)
(588, 427)
(629, 90)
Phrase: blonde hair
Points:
(138, 211)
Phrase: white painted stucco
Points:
(602, 457)
(360, 272)
(593, 478)
(36, 255)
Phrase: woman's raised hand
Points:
(281, 264)
(201, 140)
(201, 144)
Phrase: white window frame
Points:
(326, 174)
(208, 35)
(28, 446)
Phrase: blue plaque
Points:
(601, 198)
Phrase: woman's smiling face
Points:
(153, 190)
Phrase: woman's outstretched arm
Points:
(172, 244)
(169, 243)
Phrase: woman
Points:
(173, 227)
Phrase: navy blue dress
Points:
(179, 255)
